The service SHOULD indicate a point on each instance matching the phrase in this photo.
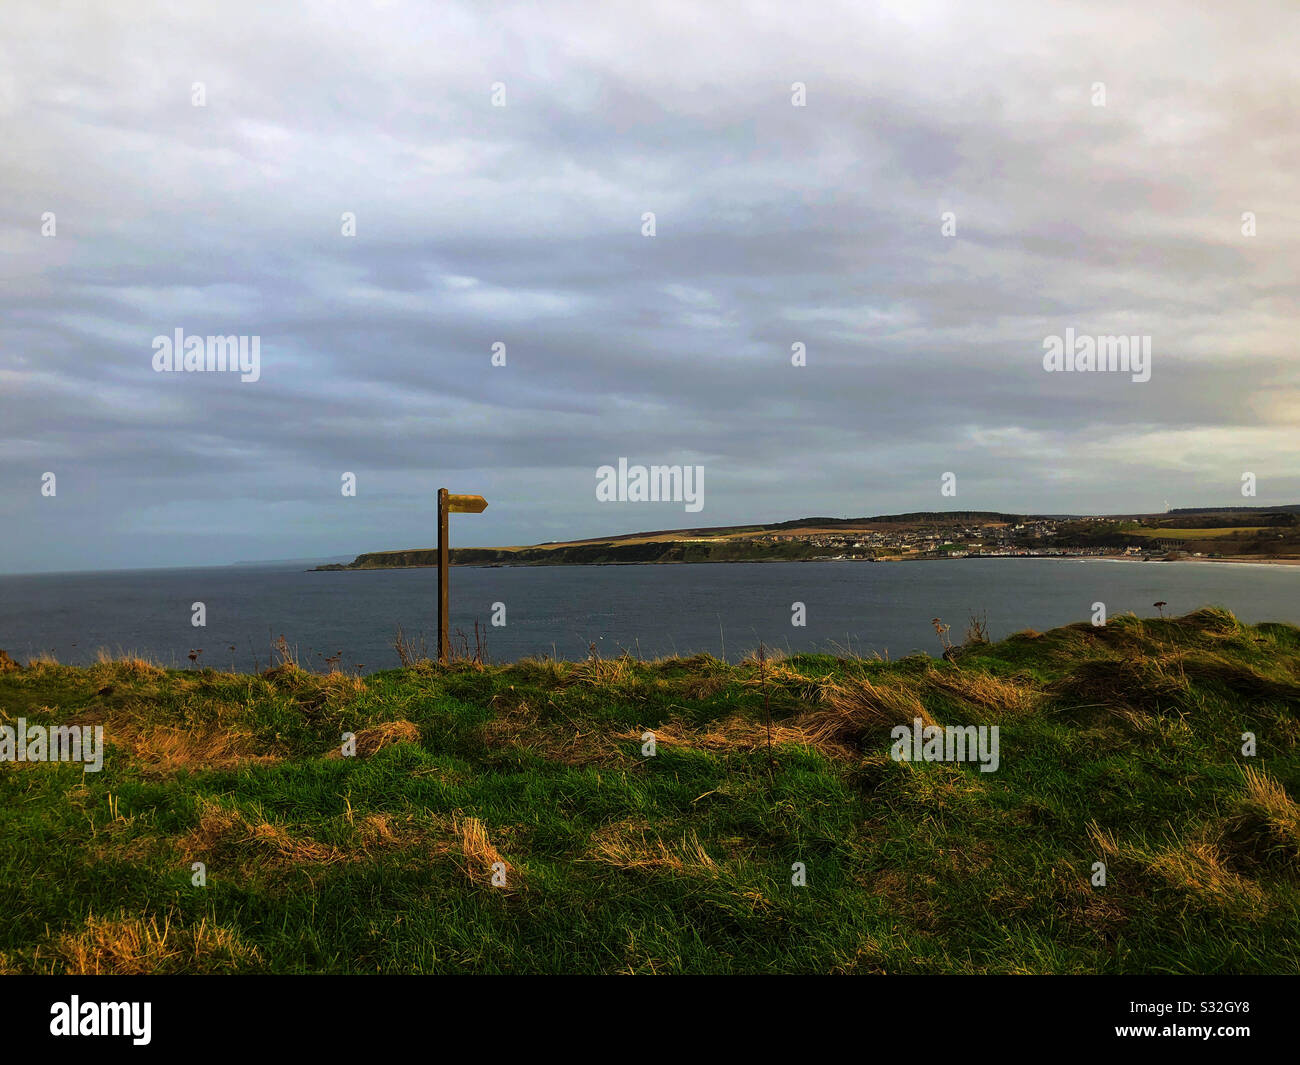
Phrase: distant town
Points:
(1222, 534)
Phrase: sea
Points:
(351, 618)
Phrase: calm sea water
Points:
(649, 610)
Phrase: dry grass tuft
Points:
(42, 662)
(7, 664)
(597, 672)
(377, 737)
(771, 656)
(1197, 868)
(1265, 827)
(1104, 840)
(133, 946)
(288, 676)
(376, 830)
(242, 845)
(514, 716)
(340, 686)
(625, 846)
(222, 831)
(701, 688)
(784, 682)
(733, 734)
(389, 831)
(165, 751)
(130, 667)
(216, 825)
(859, 712)
(285, 848)
(518, 723)
(1211, 621)
(544, 672)
(702, 662)
(1004, 697)
(483, 861)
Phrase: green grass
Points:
(1200, 534)
(1119, 744)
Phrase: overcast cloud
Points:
(776, 224)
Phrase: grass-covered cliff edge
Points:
(1120, 744)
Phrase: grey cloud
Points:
(776, 224)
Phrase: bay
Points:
(649, 611)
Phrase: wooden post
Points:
(448, 504)
(444, 638)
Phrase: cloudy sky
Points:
(775, 225)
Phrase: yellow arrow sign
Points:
(466, 504)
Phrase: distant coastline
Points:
(1235, 534)
(1248, 561)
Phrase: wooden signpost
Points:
(449, 504)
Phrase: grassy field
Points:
(1199, 534)
(1119, 744)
